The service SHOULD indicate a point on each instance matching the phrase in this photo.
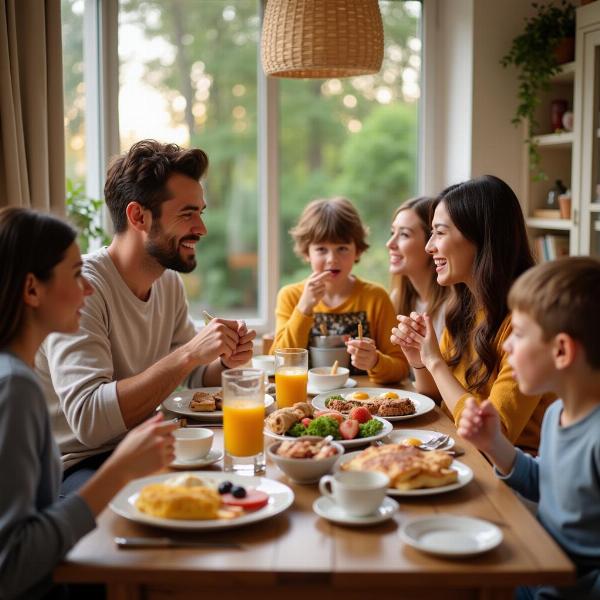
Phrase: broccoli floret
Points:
(324, 426)
(334, 397)
(297, 430)
(372, 427)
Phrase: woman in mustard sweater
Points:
(479, 246)
(331, 237)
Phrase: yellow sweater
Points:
(368, 303)
(521, 415)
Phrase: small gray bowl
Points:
(305, 470)
(329, 341)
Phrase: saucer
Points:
(212, 457)
(328, 509)
(313, 391)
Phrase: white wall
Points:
(467, 126)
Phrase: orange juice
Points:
(290, 385)
(243, 422)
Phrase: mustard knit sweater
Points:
(368, 303)
(521, 415)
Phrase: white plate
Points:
(465, 475)
(212, 457)
(280, 498)
(448, 535)
(399, 435)
(325, 507)
(313, 390)
(179, 403)
(423, 404)
(385, 430)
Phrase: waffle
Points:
(407, 467)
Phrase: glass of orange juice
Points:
(243, 420)
(291, 376)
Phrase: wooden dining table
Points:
(298, 555)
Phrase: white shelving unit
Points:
(571, 156)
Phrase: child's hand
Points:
(480, 425)
(145, 449)
(314, 290)
(363, 353)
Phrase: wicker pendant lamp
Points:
(321, 38)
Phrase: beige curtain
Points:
(32, 157)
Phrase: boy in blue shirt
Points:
(555, 347)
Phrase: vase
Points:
(565, 50)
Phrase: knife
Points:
(166, 542)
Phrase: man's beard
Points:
(165, 250)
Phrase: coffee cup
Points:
(192, 443)
(358, 493)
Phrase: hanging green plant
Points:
(533, 53)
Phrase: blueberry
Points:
(237, 491)
(225, 487)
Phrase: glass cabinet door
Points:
(589, 135)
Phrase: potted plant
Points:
(537, 54)
(84, 213)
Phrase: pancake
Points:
(407, 467)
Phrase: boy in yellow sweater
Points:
(331, 237)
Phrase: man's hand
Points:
(314, 290)
(243, 351)
(220, 338)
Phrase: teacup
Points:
(192, 443)
(358, 493)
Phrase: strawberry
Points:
(360, 414)
(306, 421)
(349, 429)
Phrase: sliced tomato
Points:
(253, 500)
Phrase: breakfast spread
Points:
(191, 497)
(387, 404)
(407, 467)
(300, 420)
(306, 449)
(206, 401)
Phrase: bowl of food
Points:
(322, 379)
(306, 459)
(325, 357)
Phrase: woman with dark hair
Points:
(414, 286)
(41, 291)
(479, 246)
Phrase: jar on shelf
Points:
(552, 198)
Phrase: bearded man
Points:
(136, 341)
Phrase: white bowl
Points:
(265, 362)
(305, 470)
(192, 443)
(320, 378)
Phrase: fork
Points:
(435, 442)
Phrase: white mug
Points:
(358, 493)
(192, 443)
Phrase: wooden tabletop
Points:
(298, 548)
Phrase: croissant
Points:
(302, 409)
(281, 420)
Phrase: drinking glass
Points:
(291, 376)
(243, 420)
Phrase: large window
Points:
(354, 137)
(189, 72)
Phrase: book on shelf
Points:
(551, 247)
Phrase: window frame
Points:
(101, 75)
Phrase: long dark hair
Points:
(402, 292)
(487, 212)
(30, 242)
